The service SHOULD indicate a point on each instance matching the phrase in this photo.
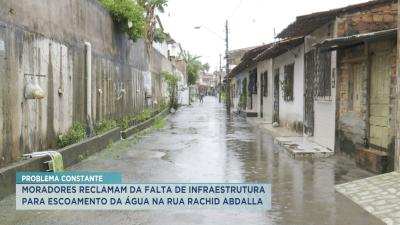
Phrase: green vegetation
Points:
(193, 66)
(127, 121)
(138, 18)
(143, 116)
(74, 134)
(172, 81)
(162, 105)
(158, 124)
(104, 125)
(151, 32)
(129, 15)
(124, 123)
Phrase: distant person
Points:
(201, 98)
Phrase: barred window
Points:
(288, 83)
(253, 82)
(324, 74)
(264, 83)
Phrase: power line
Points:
(236, 9)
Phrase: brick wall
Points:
(353, 96)
(352, 107)
(378, 18)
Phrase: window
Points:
(253, 82)
(288, 83)
(264, 83)
(324, 74)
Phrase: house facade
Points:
(322, 77)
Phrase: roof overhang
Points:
(248, 59)
(306, 24)
(340, 42)
(279, 48)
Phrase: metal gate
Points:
(276, 96)
(309, 79)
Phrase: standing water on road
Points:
(201, 143)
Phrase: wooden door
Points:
(262, 94)
(309, 78)
(276, 96)
(379, 100)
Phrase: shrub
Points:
(75, 134)
(124, 123)
(129, 15)
(104, 125)
(172, 81)
(143, 116)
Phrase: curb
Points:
(72, 154)
(143, 125)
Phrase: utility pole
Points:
(228, 86)
(220, 78)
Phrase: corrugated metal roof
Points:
(335, 43)
(278, 48)
(248, 59)
(270, 50)
(305, 24)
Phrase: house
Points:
(207, 83)
(281, 78)
(303, 82)
(243, 82)
(367, 92)
(320, 67)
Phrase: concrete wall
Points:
(292, 111)
(262, 67)
(43, 42)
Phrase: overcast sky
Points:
(251, 22)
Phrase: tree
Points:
(172, 81)
(206, 67)
(151, 32)
(193, 66)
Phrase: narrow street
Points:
(200, 144)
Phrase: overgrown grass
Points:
(124, 123)
(75, 134)
(158, 124)
(103, 126)
(127, 121)
(143, 116)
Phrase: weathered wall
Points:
(378, 18)
(353, 96)
(352, 108)
(43, 42)
(397, 106)
(266, 66)
(291, 112)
